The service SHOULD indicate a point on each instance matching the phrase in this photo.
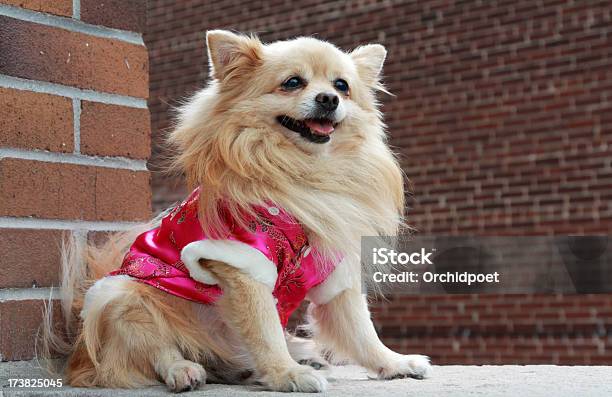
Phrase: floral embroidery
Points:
(180, 266)
(154, 258)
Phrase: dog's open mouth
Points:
(314, 130)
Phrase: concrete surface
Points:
(349, 381)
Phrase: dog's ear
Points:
(230, 54)
(369, 60)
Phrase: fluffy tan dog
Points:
(294, 123)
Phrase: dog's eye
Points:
(341, 85)
(293, 83)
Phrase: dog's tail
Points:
(83, 262)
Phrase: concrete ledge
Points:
(511, 380)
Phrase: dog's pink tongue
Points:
(320, 128)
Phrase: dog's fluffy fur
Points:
(230, 142)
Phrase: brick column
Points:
(74, 141)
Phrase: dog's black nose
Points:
(327, 101)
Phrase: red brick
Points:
(20, 321)
(67, 191)
(57, 7)
(119, 14)
(39, 52)
(110, 130)
(123, 195)
(31, 120)
(30, 257)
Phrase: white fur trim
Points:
(342, 278)
(235, 253)
(103, 291)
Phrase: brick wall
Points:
(503, 118)
(74, 142)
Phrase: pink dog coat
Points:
(273, 249)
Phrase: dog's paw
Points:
(299, 378)
(305, 352)
(318, 363)
(406, 366)
(185, 375)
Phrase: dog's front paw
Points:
(406, 366)
(299, 378)
(185, 375)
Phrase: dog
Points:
(285, 152)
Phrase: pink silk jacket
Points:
(155, 256)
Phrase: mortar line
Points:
(76, 9)
(76, 111)
(45, 87)
(77, 159)
(21, 294)
(70, 24)
(60, 224)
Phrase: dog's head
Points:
(306, 89)
(295, 123)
